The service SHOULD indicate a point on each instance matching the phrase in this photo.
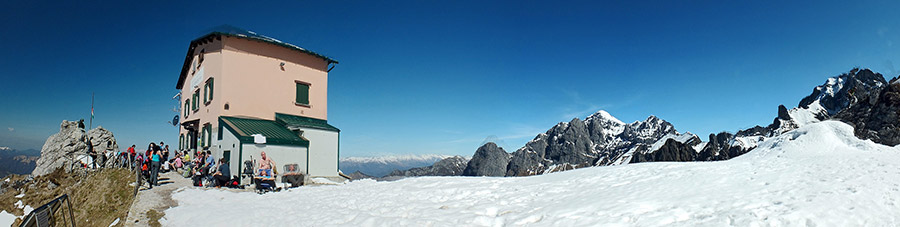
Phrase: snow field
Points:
(818, 175)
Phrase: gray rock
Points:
(858, 84)
(104, 144)
(671, 151)
(489, 160)
(877, 117)
(61, 149)
(783, 113)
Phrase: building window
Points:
(302, 98)
(181, 142)
(200, 57)
(206, 136)
(208, 91)
(196, 99)
(187, 108)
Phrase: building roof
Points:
(300, 121)
(275, 133)
(228, 30)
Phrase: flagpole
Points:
(92, 111)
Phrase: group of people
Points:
(198, 165)
(150, 160)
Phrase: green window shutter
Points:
(210, 89)
(302, 94)
(196, 97)
(187, 106)
(181, 142)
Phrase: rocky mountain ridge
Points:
(14, 161)
(860, 97)
(452, 166)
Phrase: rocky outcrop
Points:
(671, 151)
(876, 116)
(856, 91)
(71, 145)
(489, 160)
(104, 143)
(452, 166)
(62, 149)
(840, 92)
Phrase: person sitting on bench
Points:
(265, 166)
(223, 175)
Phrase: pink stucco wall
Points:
(248, 76)
(255, 84)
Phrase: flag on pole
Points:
(92, 110)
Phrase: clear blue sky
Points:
(429, 77)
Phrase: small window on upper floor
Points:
(200, 57)
(196, 100)
(187, 108)
(208, 91)
(302, 97)
(205, 138)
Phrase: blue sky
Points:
(429, 77)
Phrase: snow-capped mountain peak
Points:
(602, 114)
(838, 93)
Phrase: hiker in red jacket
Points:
(131, 154)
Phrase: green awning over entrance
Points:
(298, 121)
(275, 132)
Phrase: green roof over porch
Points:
(299, 121)
(275, 133)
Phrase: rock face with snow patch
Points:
(671, 151)
(835, 97)
(876, 116)
(62, 149)
(840, 92)
(600, 140)
(489, 160)
(858, 97)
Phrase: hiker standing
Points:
(165, 151)
(92, 153)
(154, 168)
(131, 154)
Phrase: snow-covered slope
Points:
(819, 174)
